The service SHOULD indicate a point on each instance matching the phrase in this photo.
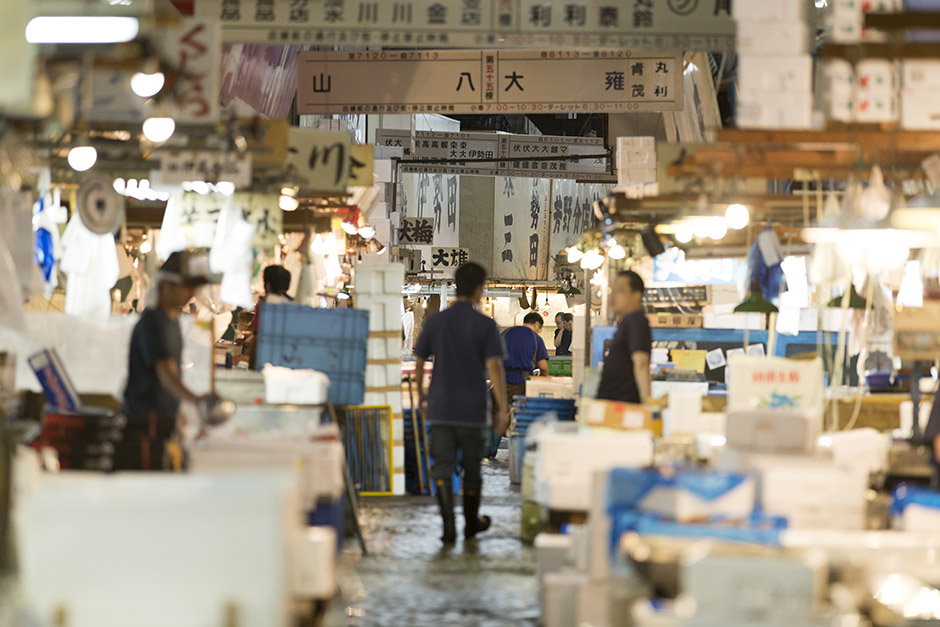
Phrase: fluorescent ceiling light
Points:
(63, 29)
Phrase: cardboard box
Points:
(545, 387)
(758, 75)
(773, 431)
(616, 415)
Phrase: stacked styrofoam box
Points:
(810, 492)
(774, 69)
(566, 464)
(876, 98)
(920, 82)
(839, 90)
(846, 20)
(378, 290)
(636, 163)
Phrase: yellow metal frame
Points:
(391, 446)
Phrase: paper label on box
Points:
(633, 419)
(596, 412)
(715, 359)
(755, 350)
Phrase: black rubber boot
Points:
(471, 512)
(445, 498)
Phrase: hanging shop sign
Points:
(572, 211)
(319, 161)
(521, 242)
(180, 166)
(193, 47)
(268, 140)
(394, 138)
(199, 216)
(651, 24)
(437, 196)
(444, 258)
(512, 155)
(16, 80)
(416, 231)
(488, 81)
(361, 165)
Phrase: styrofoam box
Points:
(779, 583)
(380, 278)
(550, 387)
(560, 598)
(877, 74)
(183, 548)
(920, 518)
(315, 563)
(567, 462)
(635, 157)
(845, 27)
(776, 111)
(294, 386)
(839, 105)
(552, 553)
(757, 75)
(919, 110)
(384, 311)
(838, 74)
(318, 465)
(394, 400)
(594, 603)
(772, 431)
(876, 106)
(771, 38)
(684, 506)
(378, 349)
(374, 399)
(644, 143)
(751, 321)
(920, 74)
(769, 10)
(863, 449)
(376, 377)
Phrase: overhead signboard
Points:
(503, 154)
(442, 258)
(648, 24)
(488, 81)
(414, 231)
(186, 165)
(394, 138)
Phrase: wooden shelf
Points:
(868, 137)
(901, 50)
(903, 21)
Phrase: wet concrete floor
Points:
(409, 580)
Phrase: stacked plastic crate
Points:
(775, 71)
(378, 290)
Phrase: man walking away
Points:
(626, 374)
(466, 346)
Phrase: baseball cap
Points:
(190, 268)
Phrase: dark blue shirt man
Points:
(526, 352)
(626, 373)
(466, 346)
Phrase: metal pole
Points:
(587, 318)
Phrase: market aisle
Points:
(408, 580)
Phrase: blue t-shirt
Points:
(461, 340)
(525, 349)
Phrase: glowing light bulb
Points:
(147, 85)
(288, 203)
(158, 130)
(574, 255)
(349, 227)
(737, 216)
(81, 158)
(717, 228)
(684, 233)
(616, 252)
(226, 188)
(701, 228)
(367, 232)
(145, 247)
(592, 260)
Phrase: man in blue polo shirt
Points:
(466, 348)
(526, 352)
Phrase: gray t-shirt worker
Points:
(466, 346)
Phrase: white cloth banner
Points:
(521, 241)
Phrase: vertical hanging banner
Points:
(437, 196)
(652, 24)
(489, 81)
(521, 243)
(572, 211)
(194, 48)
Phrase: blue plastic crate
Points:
(333, 341)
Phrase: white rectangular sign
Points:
(319, 160)
(651, 24)
(179, 166)
(416, 232)
(774, 383)
(521, 239)
(489, 81)
(442, 258)
(504, 154)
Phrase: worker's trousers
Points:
(467, 445)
